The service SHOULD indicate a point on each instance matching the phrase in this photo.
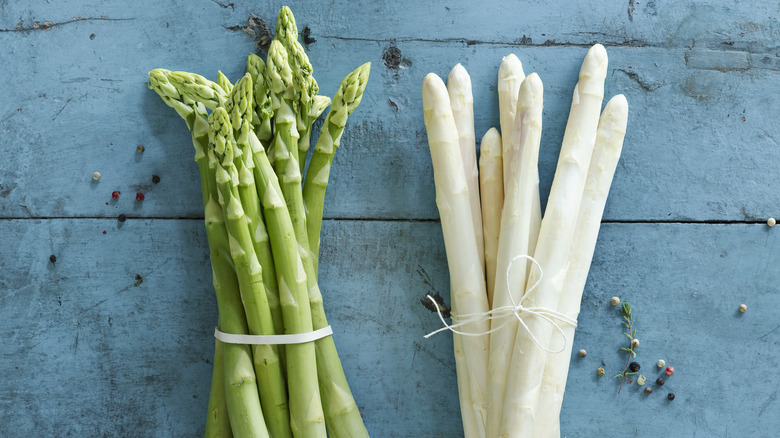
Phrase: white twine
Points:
(504, 312)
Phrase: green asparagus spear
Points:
(305, 403)
(268, 368)
(345, 101)
(218, 422)
(240, 108)
(305, 86)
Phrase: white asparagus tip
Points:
(434, 92)
(534, 82)
(459, 74)
(509, 63)
(595, 64)
(491, 135)
(617, 106)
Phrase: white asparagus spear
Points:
(491, 186)
(510, 76)
(606, 153)
(467, 286)
(516, 222)
(462, 103)
(552, 250)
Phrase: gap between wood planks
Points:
(370, 219)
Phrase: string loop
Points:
(505, 313)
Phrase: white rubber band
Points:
(298, 338)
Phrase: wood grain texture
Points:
(87, 352)
(89, 349)
(701, 125)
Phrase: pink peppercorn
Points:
(669, 371)
(139, 196)
(115, 195)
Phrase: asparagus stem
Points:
(516, 222)
(466, 282)
(304, 84)
(218, 422)
(240, 108)
(307, 418)
(462, 102)
(345, 101)
(555, 237)
(606, 153)
(267, 365)
(491, 186)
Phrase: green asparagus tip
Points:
(242, 99)
(285, 24)
(354, 85)
(219, 131)
(278, 70)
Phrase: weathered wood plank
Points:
(532, 22)
(702, 142)
(86, 352)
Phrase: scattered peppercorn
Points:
(96, 176)
(122, 218)
(104, 231)
(582, 353)
(155, 179)
(634, 367)
(53, 258)
(771, 222)
(634, 343)
(641, 380)
(600, 371)
(648, 390)
(660, 381)
(614, 301)
(139, 196)
(115, 195)
(661, 363)
(669, 371)
(670, 396)
(743, 308)
(140, 149)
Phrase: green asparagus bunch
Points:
(263, 221)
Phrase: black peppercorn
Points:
(634, 367)
(155, 179)
(660, 381)
(670, 396)
(648, 390)
(122, 218)
(52, 258)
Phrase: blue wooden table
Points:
(114, 339)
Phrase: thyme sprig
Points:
(628, 323)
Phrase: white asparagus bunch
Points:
(508, 319)
(467, 283)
